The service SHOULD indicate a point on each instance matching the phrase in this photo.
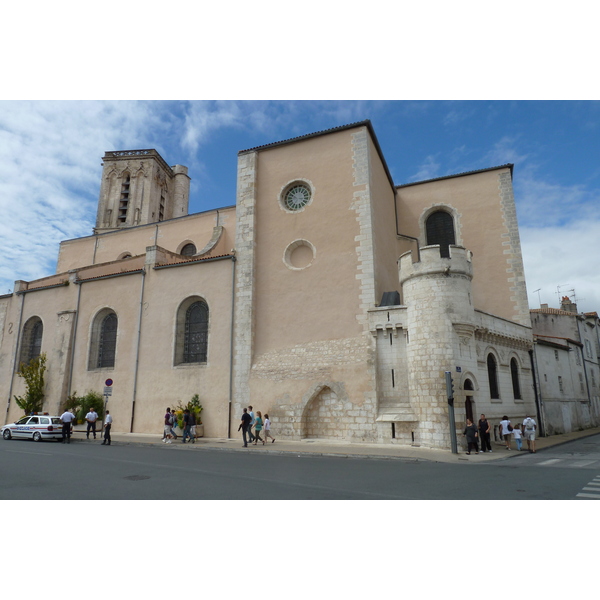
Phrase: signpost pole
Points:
(451, 420)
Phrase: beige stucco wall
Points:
(386, 248)
(172, 235)
(310, 302)
(483, 227)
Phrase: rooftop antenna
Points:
(538, 293)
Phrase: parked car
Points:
(35, 427)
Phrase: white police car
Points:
(34, 427)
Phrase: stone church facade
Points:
(328, 297)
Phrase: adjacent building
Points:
(567, 347)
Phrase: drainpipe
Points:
(74, 337)
(538, 396)
(233, 261)
(14, 365)
(137, 351)
(581, 339)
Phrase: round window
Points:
(297, 197)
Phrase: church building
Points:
(327, 296)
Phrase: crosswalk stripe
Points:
(594, 483)
(582, 463)
(595, 496)
(550, 461)
(591, 489)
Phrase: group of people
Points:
(251, 421)
(189, 426)
(481, 432)
(68, 418)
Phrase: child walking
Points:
(258, 425)
(268, 429)
(518, 436)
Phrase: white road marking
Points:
(594, 496)
(550, 461)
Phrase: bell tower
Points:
(138, 187)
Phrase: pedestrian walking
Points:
(268, 429)
(187, 426)
(505, 430)
(173, 423)
(471, 433)
(250, 434)
(258, 425)
(167, 427)
(244, 425)
(91, 419)
(107, 426)
(67, 419)
(193, 426)
(484, 434)
(529, 428)
(517, 434)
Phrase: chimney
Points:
(543, 306)
(566, 304)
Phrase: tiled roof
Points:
(309, 135)
(552, 311)
(507, 165)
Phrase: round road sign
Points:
(108, 382)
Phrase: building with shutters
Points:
(327, 296)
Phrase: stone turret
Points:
(437, 294)
(139, 187)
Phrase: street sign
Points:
(108, 382)
(108, 391)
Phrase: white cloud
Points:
(430, 169)
(563, 256)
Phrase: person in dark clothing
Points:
(244, 426)
(471, 433)
(484, 434)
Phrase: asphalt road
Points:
(53, 471)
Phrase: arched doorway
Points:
(324, 416)
(469, 402)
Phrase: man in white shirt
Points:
(529, 427)
(250, 425)
(67, 419)
(91, 419)
(107, 425)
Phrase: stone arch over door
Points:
(325, 412)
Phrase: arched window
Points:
(191, 344)
(103, 342)
(31, 341)
(493, 375)
(514, 373)
(439, 229)
(108, 341)
(188, 250)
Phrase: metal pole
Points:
(451, 420)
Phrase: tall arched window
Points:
(108, 341)
(493, 375)
(31, 341)
(514, 373)
(191, 344)
(439, 229)
(103, 342)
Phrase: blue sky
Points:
(51, 151)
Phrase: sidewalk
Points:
(318, 447)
